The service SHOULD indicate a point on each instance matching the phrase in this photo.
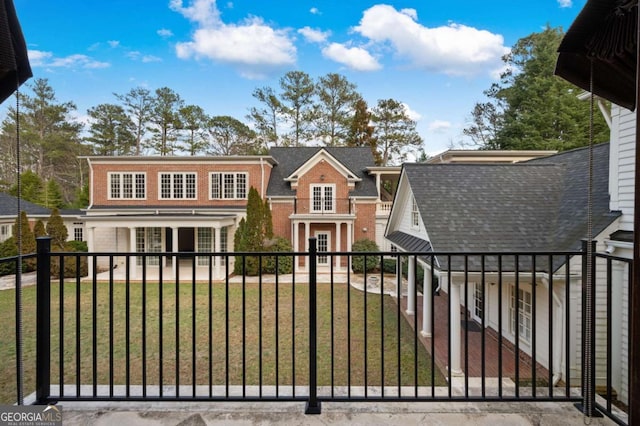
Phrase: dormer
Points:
(322, 157)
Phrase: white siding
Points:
(623, 131)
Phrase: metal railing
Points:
(377, 326)
(322, 206)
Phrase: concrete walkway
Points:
(285, 413)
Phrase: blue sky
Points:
(437, 57)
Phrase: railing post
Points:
(313, 405)
(588, 375)
(43, 320)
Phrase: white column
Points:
(174, 247)
(378, 185)
(411, 290)
(454, 329)
(338, 245)
(349, 238)
(91, 248)
(133, 263)
(296, 244)
(307, 230)
(216, 248)
(427, 296)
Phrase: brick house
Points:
(194, 204)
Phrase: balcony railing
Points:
(323, 206)
(391, 327)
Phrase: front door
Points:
(323, 247)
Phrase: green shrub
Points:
(8, 248)
(358, 262)
(70, 262)
(285, 263)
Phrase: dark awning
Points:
(605, 32)
(14, 63)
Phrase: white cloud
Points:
(453, 49)
(164, 33)
(414, 115)
(565, 3)
(251, 46)
(314, 36)
(439, 126)
(135, 55)
(314, 11)
(38, 58)
(113, 43)
(355, 58)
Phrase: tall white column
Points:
(133, 264)
(91, 248)
(338, 245)
(174, 248)
(411, 290)
(349, 239)
(216, 248)
(296, 244)
(427, 296)
(307, 232)
(454, 329)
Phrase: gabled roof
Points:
(289, 160)
(539, 205)
(9, 207)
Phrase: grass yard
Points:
(223, 342)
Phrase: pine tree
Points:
(39, 229)
(28, 241)
(56, 230)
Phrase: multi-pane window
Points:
(415, 214)
(478, 301)
(228, 186)
(148, 240)
(322, 200)
(177, 186)
(523, 320)
(5, 232)
(205, 245)
(78, 232)
(127, 186)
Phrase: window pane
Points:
(178, 185)
(191, 185)
(140, 185)
(215, 186)
(241, 185)
(229, 190)
(165, 185)
(127, 185)
(317, 199)
(115, 185)
(328, 198)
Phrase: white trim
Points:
(327, 258)
(321, 156)
(323, 198)
(222, 187)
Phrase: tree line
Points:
(528, 108)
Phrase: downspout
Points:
(261, 177)
(557, 375)
(90, 184)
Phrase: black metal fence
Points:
(370, 327)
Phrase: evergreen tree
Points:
(31, 187)
(394, 130)
(57, 230)
(52, 195)
(298, 107)
(337, 98)
(361, 130)
(111, 131)
(531, 108)
(28, 241)
(39, 229)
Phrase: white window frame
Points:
(179, 186)
(479, 302)
(5, 232)
(415, 214)
(78, 232)
(138, 190)
(324, 208)
(323, 260)
(525, 313)
(228, 185)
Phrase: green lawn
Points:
(268, 323)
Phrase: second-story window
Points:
(322, 200)
(127, 186)
(177, 186)
(415, 214)
(228, 186)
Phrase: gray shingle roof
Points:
(9, 206)
(540, 205)
(289, 159)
